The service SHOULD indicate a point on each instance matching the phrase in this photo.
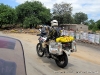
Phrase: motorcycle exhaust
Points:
(54, 57)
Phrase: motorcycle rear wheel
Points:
(39, 50)
(62, 60)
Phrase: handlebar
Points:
(41, 34)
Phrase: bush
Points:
(13, 31)
(94, 29)
(31, 31)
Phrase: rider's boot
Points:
(46, 52)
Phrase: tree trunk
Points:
(30, 26)
(0, 25)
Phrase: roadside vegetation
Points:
(32, 14)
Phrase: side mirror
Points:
(12, 58)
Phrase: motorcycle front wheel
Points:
(62, 60)
(39, 50)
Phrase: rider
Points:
(43, 31)
(53, 34)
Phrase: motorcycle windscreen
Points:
(12, 61)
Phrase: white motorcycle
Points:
(57, 51)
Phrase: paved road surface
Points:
(43, 66)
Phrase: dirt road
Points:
(86, 61)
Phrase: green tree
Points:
(33, 9)
(7, 15)
(31, 21)
(62, 12)
(98, 24)
(95, 28)
(80, 17)
(91, 24)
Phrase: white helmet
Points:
(54, 23)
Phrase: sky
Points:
(89, 7)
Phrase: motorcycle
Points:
(12, 59)
(57, 51)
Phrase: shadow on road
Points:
(53, 66)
